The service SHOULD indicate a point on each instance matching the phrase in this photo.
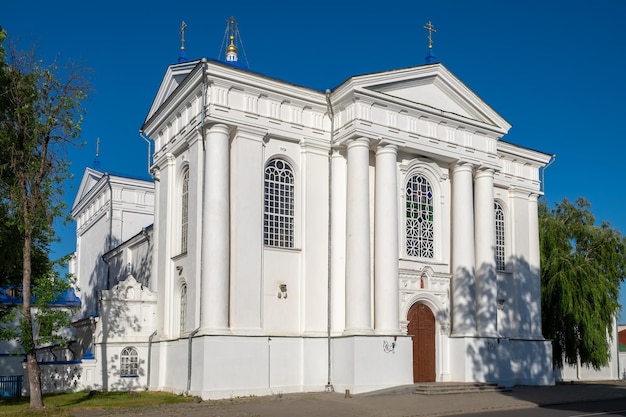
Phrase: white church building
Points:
(379, 234)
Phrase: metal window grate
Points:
(500, 243)
(279, 211)
(420, 236)
(184, 219)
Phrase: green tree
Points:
(582, 266)
(40, 116)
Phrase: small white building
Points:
(379, 234)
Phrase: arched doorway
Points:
(421, 328)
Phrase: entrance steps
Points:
(437, 388)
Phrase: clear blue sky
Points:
(555, 70)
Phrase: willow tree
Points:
(582, 266)
(40, 117)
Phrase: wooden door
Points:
(422, 330)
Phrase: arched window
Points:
(129, 362)
(279, 202)
(184, 214)
(420, 239)
(500, 248)
(183, 307)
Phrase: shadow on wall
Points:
(517, 353)
(116, 319)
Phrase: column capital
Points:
(388, 147)
(515, 192)
(461, 166)
(245, 132)
(217, 127)
(485, 172)
(358, 141)
(170, 159)
(533, 197)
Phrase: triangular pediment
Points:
(174, 76)
(90, 179)
(435, 87)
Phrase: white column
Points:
(463, 291)
(358, 285)
(485, 246)
(534, 260)
(215, 258)
(386, 314)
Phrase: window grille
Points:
(420, 239)
(183, 307)
(129, 362)
(279, 211)
(184, 219)
(500, 245)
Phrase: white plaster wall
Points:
(314, 364)
(361, 364)
(500, 360)
(531, 362)
(108, 366)
(92, 271)
(173, 365)
(281, 315)
(132, 223)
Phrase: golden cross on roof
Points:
(232, 25)
(182, 33)
(430, 28)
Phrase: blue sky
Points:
(553, 69)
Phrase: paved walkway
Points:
(400, 404)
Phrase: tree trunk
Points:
(34, 381)
(34, 371)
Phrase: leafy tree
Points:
(582, 266)
(40, 116)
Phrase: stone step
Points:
(456, 388)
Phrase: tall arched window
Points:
(183, 308)
(500, 244)
(420, 239)
(279, 202)
(184, 214)
(129, 362)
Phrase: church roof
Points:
(92, 177)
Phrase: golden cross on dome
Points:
(430, 28)
(182, 33)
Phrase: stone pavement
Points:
(400, 403)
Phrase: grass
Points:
(61, 405)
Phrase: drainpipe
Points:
(149, 358)
(331, 115)
(543, 171)
(149, 141)
(189, 339)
